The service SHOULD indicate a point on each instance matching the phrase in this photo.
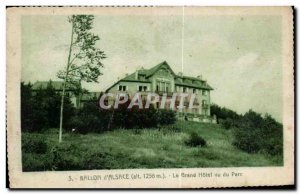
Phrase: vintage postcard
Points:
(150, 97)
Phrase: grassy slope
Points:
(151, 148)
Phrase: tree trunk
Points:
(64, 88)
(61, 111)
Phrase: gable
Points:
(162, 66)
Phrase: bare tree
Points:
(84, 59)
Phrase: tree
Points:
(39, 108)
(26, 106)
(84, 59)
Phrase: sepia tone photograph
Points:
(150, 89)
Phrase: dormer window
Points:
(142, 77)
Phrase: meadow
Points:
(162, 147)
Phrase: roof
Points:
(179, 79)
(151, 71)
(90, 96)
(57, 85)
(192, 82)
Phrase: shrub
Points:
(35, 162)
(223, 113)
(91, 118)
(101, 160)
(255, 133)
(40, 108)
(76, 123)
(67, 156)
(247, 139)
(227, 123)
(165, 117)
(34, 146)
(195, 140)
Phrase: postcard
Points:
(150, 97)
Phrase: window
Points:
(204, 92)
(142, 77)
(194, 90)
(142, 88)
(122, 88)
(184, 89)
(157, 88)
(204, 102)
(167, 85)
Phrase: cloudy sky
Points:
(239, 56)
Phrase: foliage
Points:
(34, 145)
(252, 132)
(91, 118)
(85, 60)
(195, 140)
(123, 149)
(223, 113)
(259, 134)
(227, 123)
(39, 108)
(166, 117)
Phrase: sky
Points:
(239, 56)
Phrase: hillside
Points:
(147, 148)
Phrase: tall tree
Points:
(84, 59)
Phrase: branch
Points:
(76, 56)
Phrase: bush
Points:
(101, 160)
(227, 123)
(67, 156)
(91, 118)
(35, 162)
(165, 117)
(255, 133)
(195, 140)
(247, 139)
(40, 108)
(34, 146)
(223, 113)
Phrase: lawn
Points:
(145, 148)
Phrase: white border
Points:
(3, 4)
